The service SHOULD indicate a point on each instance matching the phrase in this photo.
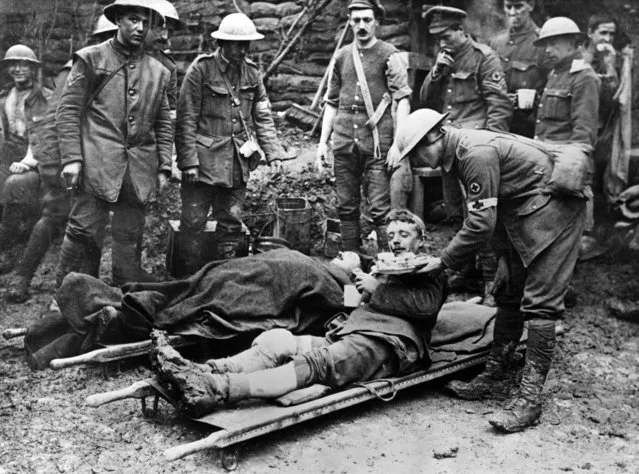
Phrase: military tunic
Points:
(569, 106)
(473, 92)
(535, 232)
(210, 133)
(523, 65)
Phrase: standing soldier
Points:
(224, 118)
(522, 62)
(536, 235)
(157, 41)
(115, 135)
(368, 76)
(22, 107)
(467, 82)
(569, 106)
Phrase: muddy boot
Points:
(200, 391)
(126, 266)
(351, 239)
(500, 372)
(11, 216)
(382, 238)
(91, 264)
(623, 309)
(73, 253)
(39, 242)
(524, 409)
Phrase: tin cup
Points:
(526, 98)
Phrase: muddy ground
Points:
(590, 422)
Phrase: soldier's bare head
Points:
(602, 29)
(406, 231)
(518, 12)
(347, 261)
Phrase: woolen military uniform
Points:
(473, 91)
(536, 233)
(569, 106)
(353, 144)
(210, 133)
(524, 69)
(114, 118)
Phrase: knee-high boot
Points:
(11, 216)
(499, 374)
(39, 242)
(524, 409)
(73, 253)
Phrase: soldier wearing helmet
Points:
(224, 118)
(116, 136)
(22, 107)
(569, 105)
(535, 232)
(157, 42)
(363, 133)
(522, 61)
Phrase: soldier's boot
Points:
(126, 263)
(91, 263)
(500, 373)
(202, 392)
(382, 238)
(11, 216)
(525, 408)
(73, 253)
(39, 242)
(351, 238)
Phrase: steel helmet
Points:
(20, 52)
(103, 26)
(630, 203)
(415, 127)
(168, 11)
(237, 27)
(558, 26)
(111, 11)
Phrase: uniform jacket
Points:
(569, 106)
(521, 59)
(473, 92)
(385, 73)
(127, 124)
(209, 128)
(505, 177)
(35, 106)
(403, 305)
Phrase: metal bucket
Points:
(293, 222)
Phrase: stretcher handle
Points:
(209, 442)
(139, 389)
(12, 333)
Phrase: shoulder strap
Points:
(104, 83)
(373, 115)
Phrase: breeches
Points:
(352, 171)
(22, 188)
(537, 291)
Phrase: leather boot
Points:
(39, 242)
(382, 238)
(500, 373)
(73, 253)
(11, 216)
(524, 409)
(351, 239)
(126, 267)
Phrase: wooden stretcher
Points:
(257, 417)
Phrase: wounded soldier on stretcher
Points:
(387, 336)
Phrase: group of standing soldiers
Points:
(116, 116)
